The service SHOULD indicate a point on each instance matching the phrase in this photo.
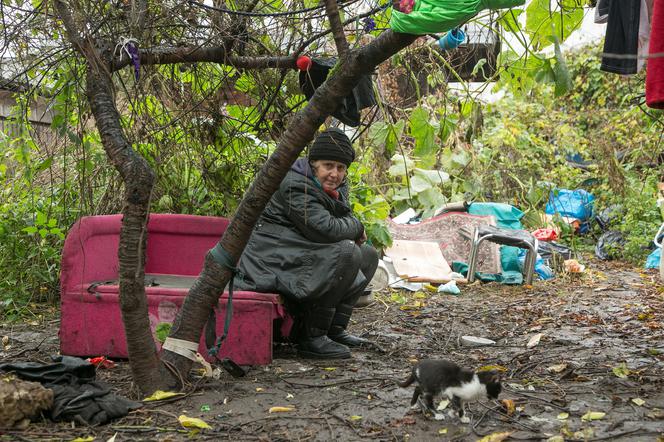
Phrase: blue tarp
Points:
(571, 203)
(652, 261)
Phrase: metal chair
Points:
(508, 237)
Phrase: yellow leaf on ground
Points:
(492, 367)
(259, 389)
(638, 401)
(442, 431)
(83, 439)
(562, 416)
(280, 409)
(557, 368)
(495, 437)
(593, 416)
(192, 422)
(509, 406)
(161, 395)
(330, 368)
(557, 438)
(534, 340)
(621, 371)
(355, 418)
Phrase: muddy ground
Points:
(601, 350)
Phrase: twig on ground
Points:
(25, 350)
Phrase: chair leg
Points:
(531, 258)
(474, 255)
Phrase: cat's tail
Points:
(408, 381)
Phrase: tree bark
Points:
(205, 293)
(138, 180)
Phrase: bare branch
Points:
(139, 9)
(337, 28)
(70, 26)
(198, 54)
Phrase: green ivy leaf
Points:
(510, 20)
(41, 219)
(431, 198)
(563, 78)
(424, 134)
(401, 165)
(162, 331)
(543, 21)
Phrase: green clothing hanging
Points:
(437, 16)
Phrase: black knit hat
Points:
(332, 144)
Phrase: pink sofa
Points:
(91, 323)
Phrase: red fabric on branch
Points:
(655, 68)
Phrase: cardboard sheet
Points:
(419, 261)
(446, 231)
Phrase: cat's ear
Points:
(494, 376)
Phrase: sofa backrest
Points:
(176, 244)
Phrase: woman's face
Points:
(330, 173)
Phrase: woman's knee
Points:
(369, 260)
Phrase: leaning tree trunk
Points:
(205, 293)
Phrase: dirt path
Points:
(601, 350)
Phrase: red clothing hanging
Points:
(655, 67)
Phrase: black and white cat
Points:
(457, 384)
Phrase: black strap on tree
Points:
(222, 257)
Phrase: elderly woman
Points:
(308, 247)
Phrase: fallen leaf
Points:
(534, 340)
(442, 431)
(5, 342)
(562, 416)
(496, 437)
(593, 416)
(638, 401)
(557, 368)
(621, 370)
(492, 367)
(161, 395)
(83, 439)
(192, 422)
(330, 368)
(355, 418)
(509, 406)
(557, 438)
(289, 396)
(280, 409)
(259, 389)
(443, 405)
(656, 414)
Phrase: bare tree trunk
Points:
(138, 179)
(205, 293)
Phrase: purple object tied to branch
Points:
(132, 50)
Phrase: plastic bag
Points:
(543, 271)
(652, 261)
(547, 249)
(609, 244)
(571, 203)
(607, 216)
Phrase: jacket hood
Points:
(302, 166)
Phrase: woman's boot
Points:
(315, 343)
(337, 331)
